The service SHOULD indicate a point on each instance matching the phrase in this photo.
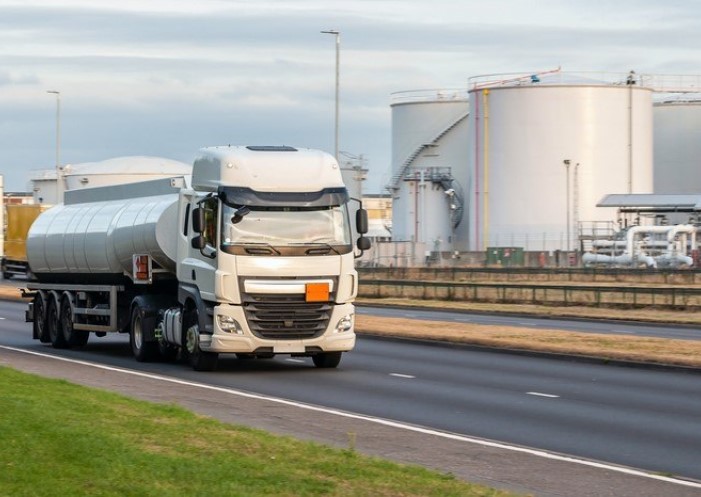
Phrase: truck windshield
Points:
(286, 230)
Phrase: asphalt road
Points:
(580, 325)
(642, 418)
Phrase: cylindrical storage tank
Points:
(677, 145)
(429, 166)
(94, 241)
(44, 187)
(546, 150)
(121, 170)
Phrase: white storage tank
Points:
(545, 149)
(122, 170)
(429, 166)
(116, 171)
(677, 144)
(43, 184)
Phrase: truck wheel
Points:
(74, 338)
(198, 359)
(39, 329)
(327, 359)
(143, 351)
(53, 326)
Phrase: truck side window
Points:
(187, 219)
(210, 222)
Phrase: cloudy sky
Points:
(164, 78)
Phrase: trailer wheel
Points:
(39, 329)
(327, 359)
(198, 359)
(53, 327)
(143, 351)
(74, 338)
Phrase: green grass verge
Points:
(61, 439)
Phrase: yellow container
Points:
(19, 219)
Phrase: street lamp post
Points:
(337, 34)
(58, 143)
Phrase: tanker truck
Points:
(252, 255)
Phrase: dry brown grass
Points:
(645, 315)
(607, 347)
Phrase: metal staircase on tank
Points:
(443, 178)
(393, 186)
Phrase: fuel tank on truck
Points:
(92, 236)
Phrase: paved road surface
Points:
(641, 418)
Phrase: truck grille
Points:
(287, 319)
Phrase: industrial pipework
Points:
(679, 240)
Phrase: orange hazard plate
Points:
(317, 292)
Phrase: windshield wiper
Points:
(259, 248)
(320, 248)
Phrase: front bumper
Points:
(245, 341)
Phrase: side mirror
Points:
(198, 220)
(198, 241)
(361, 221)
(363, 243)
(200, 244)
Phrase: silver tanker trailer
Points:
(255, 257)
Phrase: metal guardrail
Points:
(513, 293)
(457, 274)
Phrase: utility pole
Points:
(59, 178)
(337, 34)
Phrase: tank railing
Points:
(507, 79)
(672, 83)
(435, 95)
(679, 98)
(556, 77)
(662, 83)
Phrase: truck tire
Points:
(73, 337)
(39, 330)
(327, 359)
(198, 359)
(143, 351)
(53, 326)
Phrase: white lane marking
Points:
(370, 419)
(412, 316)
(526, 324)
(400, 375)
(463, 320)
(621, 331)
(2, 318)
(294, 360)
(540, 394)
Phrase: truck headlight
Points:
(345, 324)
(229, 324)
